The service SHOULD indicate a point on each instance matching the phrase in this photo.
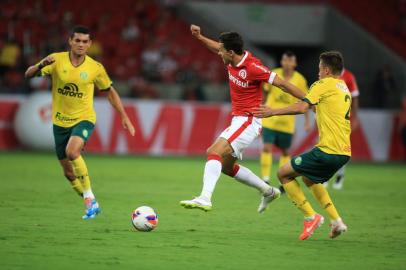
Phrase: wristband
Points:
(40, 66)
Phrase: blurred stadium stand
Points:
(148, 50)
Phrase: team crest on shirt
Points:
(83, 75)
(85, 133)
(242, 73)
(298, 160)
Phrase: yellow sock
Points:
(321, 194)
(266, 165)
(80, 170)
(297, 196)
(77, 186)
(283, 160)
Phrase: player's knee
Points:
(285, 152)
(72, 154)
(267, 149)
(227, 171)
(281, 176)
(230, 170)
(212, 152)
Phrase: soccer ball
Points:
(144, 219)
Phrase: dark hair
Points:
(333, 60)
(232, 41)
(289, 54)
(81, 30)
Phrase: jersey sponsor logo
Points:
(236, 81)
(70, 90)
(242, 73)
(64, 118)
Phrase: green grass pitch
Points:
(41, 226)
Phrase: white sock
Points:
(88, 194)
(212, 172)
(341, 171)
(244, 175)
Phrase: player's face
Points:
(80, 43)
(288, 63)
(227, 56)
(324, 71)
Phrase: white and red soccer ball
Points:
(144, 219)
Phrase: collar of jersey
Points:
(243, 59)
(70, 61)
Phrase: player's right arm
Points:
(35, 69)
(212, 45)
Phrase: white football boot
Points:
(337, 228)
(269, 196)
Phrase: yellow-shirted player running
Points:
(74, 75)
(278, 131)
(332, 100)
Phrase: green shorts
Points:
(282, 140)
(318, 166)
(82, 129)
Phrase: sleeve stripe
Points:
(271, 77)
(308, 101)
(106, 89)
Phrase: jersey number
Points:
(347, 115)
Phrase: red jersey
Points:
(245, 82)
(350, 81)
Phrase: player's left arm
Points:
(288, 87)
(264, 111)
(307, 101)
(115, 101)
(104, 83)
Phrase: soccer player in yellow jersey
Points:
(278, 131)
(74, 75)
(332, 100)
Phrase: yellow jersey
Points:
(73, 88)
(279, 99)
(333, 103)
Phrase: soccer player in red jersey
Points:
(246, 75)
(349, 79)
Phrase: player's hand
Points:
(262, 112)
(48, 60)
(354, 123)
(195, 30)
(128, 125)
